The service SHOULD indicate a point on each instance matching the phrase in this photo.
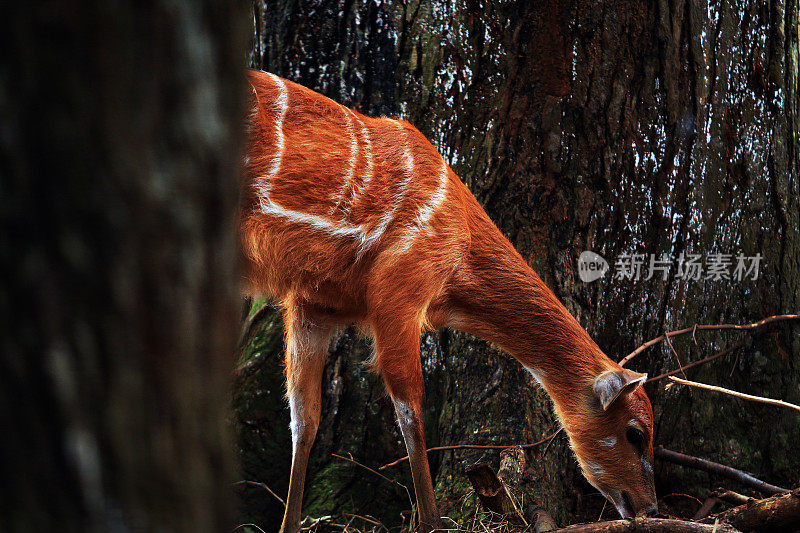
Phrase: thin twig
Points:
(733, 366)
(742, 395)
(264, 486)
(473, 447)
(688, 496)
(249, 525)
(715, 468)
(671, 347)
(365, 519)
(365, 467)
(726, 351)
(552, 439)
(707, 327)
(605, 500)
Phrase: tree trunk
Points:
(119, 151)
(614, 126)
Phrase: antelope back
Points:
(329, 193)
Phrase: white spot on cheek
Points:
(647, 466)
(594, 468)
(609, 441)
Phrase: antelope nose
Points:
(652, 510)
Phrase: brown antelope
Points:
(351, 219)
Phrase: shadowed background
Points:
(613, 126)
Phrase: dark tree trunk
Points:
(119, 154)
(615, 126)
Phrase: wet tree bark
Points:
(616, 126)
(119, 154)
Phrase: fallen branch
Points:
(648, 525)
(731, 497)
(707, 508)
(715, 468)
(730, 392)
(779, 513)
(706, 327)
(539, 519)
(715, 498)
(475, 447)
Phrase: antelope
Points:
(347, 219)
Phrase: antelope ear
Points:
(612, 384)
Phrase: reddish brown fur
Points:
(455, 270)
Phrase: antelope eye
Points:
(636, 437)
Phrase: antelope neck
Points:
(507, 303)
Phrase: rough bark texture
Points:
(494, 494)
(779, 513)
(119, 153)
(618, 126)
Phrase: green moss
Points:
(329, 481)
(262, 418)
(456, 498)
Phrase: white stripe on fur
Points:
(341, 195)
(368, 165)
(317, 222)
(400, 194)
(263, 185)
(426, 212)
